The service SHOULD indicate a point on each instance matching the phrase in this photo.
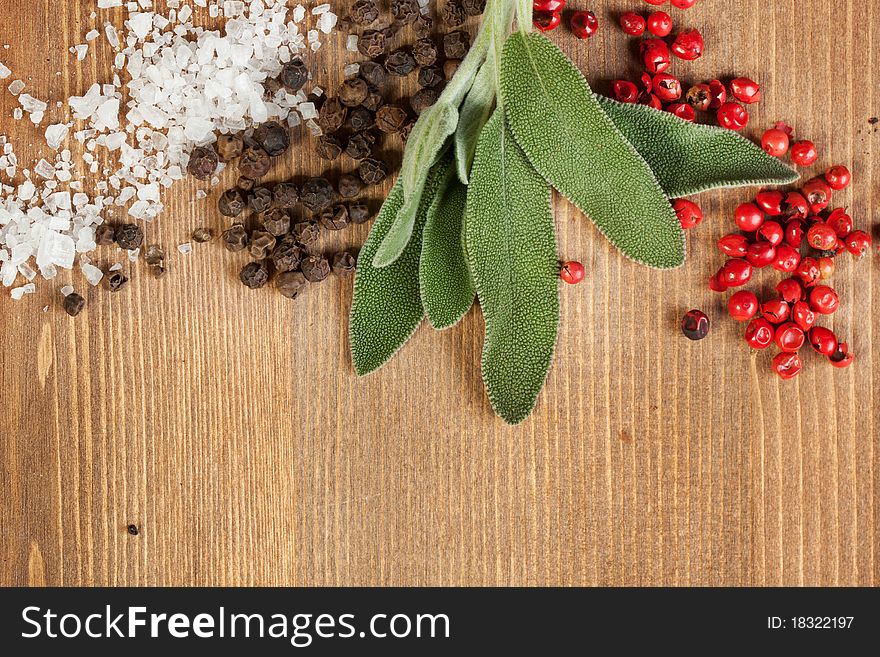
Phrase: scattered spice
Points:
(261, 244)
(231, 203)
(116, 281)
(73, 304)
(133, 530)
(154, 256)
(328, 147)
(105, 235)
(695, 325)
(349, 186)
(291, 283)
(400, 63)
(359, 213)
(260, 199)
(235, 238)
(353, 92)
(254, 275)
(202, 235)
(129, 236)
(203, 163)
(273, 137)
(316, 194)
(294, 75)
(315, 268)
(360, 145)
(254, 163)
(390, 118)
(344, 263)
(372, 171)
(276, 222)
(306, 232)
(229, 147)
(335, 218)
(285, 195)
(287, 255)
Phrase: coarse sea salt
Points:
(183, 84)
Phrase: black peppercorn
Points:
(273, 137)
(231, 203)
(349, 186)
(423, 25)
(105, 235)
(431, 77)
(450, 68)
(372, 43)
(334, 218)
(116, 280)
(73, 304)
(316, 194)
(262, 244)
(473, 7)
(372, 171)
(254, 163)
(364, 12)
(332, 115)
(453, 13)
(405, 12)
(400, 62)
(260, 199)
(329, 147)
(406, 129)
(423, 99)
(254, 275)
(291, 283)
(285, 195)
(344, 263)
(129, 236)
(315, 268)
(203, 163)
(456, 44)
(425, 52)
(287, 254)
(360, 145)
(276, 222)
(306, 232)
(294, 75)
(353, 92)
(229, 147)
(373, 73)
(245, 184)
(373, 101)
(235, 238)
(361, 119)
(133, 530)
(390, 118)
(154, 256)
(359, 213)
(202, 235)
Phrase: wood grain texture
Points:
(230, 427)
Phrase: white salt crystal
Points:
(351, 43)
(18, 292)
(17, 113)
(133, 255)
(44, 169)
(185, 248)
(107, 4)
(81, 51)
(299, 12)
(116, 266)
(307, 110)
(314, 128)
(92, 274)
(91, 35)
(4, 71)
(67, 290)
(16, 87)
(200, 194)
(56, 134)
(351, 70)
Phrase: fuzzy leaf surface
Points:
(511, 246)
(688, 158)
(446, 286)
(386, 308)
(475, 111)
(572, 143)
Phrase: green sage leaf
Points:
(511, 246)
(386, 308)
(475, 111)
(689, 158)
(446, 285)
(572, 143)
(425, 143)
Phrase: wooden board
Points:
(229, 426)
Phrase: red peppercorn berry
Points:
(743, 305)
(790, 289)
(660, 24)
(718, 93)
(787, 365)
(667, 87)
(572, 272)
(748, 217)
(683, 4)
(715, 283)
(736, 272)
(583, 24)
(821, 236)
(837, 177)
(733, 116)
(795, 206)
(656, 3)
(689, 213)
(826, 268)
(818, 194)
(789, 337)
(651, 100)
(734, 245)
(545, 21)
(759, 333)
(794, 233)
(761, 254)
(787, 259)
(808, 271)
(699, 97)
(553, 6)
(803, 315)
(841, 357)
(858, 243)
(824, 300)
(695, 325)
(775, 142)
(823, 340)
(841, 223)
(632, 23)
(682, 111)
(775, 311)
(745, 90)
(624, 91)
(688, 45)
(803, 153)
(655, 55)
(770, 201)
(771, 231)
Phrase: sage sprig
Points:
(470, 214)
